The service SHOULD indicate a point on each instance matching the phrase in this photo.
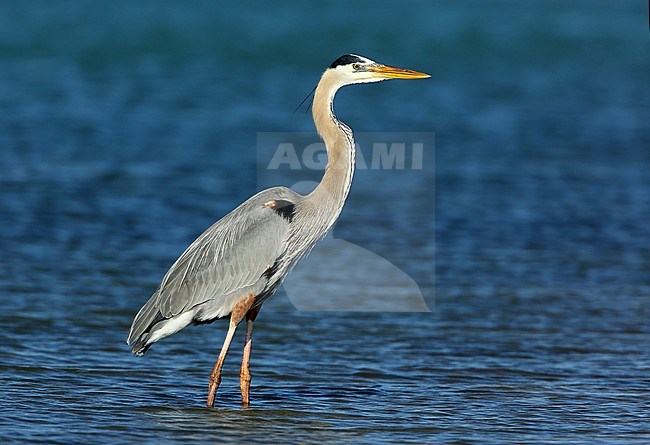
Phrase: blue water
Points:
(127, 128)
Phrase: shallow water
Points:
(126, 129)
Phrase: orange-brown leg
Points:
(238, 313)
(245, 374)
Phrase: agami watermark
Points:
(374, 150)
(339, 272)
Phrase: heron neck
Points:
(339, 142)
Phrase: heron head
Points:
(352, 68)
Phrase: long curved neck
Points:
(333, 189)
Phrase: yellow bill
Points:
(392, 72)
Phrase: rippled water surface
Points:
(128, 128)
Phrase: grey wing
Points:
(231, 255)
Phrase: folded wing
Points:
(231, 255)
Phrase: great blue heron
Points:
(235, 265)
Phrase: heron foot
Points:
(215, 381)
(239, 311)
(245, 373)
(245, 385)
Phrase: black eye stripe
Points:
(346, 60)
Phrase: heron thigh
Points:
(241, 308)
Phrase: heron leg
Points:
(245, 374)
(238, 313)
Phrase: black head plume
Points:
(346, 60)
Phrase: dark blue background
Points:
(126, 128)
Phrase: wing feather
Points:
(229, 256)
(247, 243)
